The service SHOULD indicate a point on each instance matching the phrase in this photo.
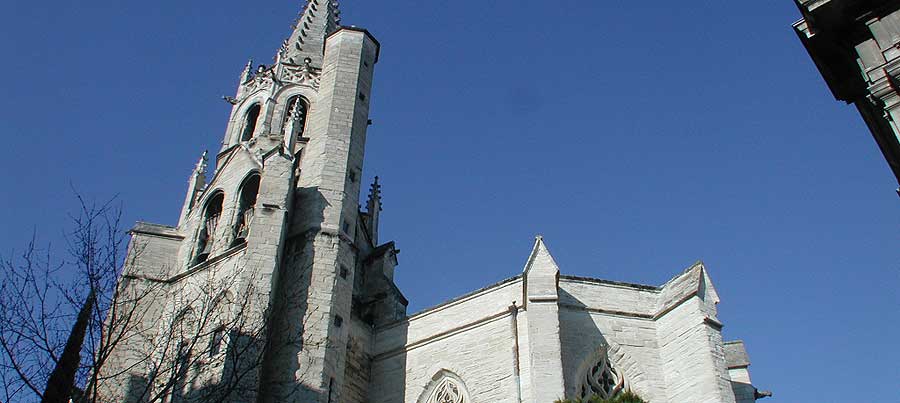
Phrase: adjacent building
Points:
(856, 47)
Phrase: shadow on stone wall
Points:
(581, 339)
(389, 368)
(236, 381)
(291, 351)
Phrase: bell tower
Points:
(330, 68)
(275, 221)
(311, 109)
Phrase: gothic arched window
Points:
(445, 387)
(602, 380)
(250, 122)
(210, 220)
(295, 116)
(246, 205)
(447, 391)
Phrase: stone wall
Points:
(665, 341)
(606, 316)
(357, 371)
(471, 337)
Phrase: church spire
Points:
(318, 19)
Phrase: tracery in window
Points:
(294, 122)
(602, 380)
(216, 340)
(447, 391)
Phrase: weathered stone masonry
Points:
(276, 227)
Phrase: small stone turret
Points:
(196, 184)
(247, 74)
(373, 210)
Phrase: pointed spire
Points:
(540, 258)
(297, 112)
(373, 210)
(374, 197)
(202, 164)
(248, 71)
(294, 126)
(318, 19)
(196, 185)
(541, 274)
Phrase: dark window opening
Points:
(250, 122)
(344, 272)
(215, 343)
(246, 208)
(208, 225)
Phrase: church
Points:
(275, 286)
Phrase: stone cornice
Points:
(452, 302)
(442, 335)
(158, 230)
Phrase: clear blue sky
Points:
(636, 137)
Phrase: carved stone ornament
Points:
(601, 380)
(447, 391)
(263, 79)
(301, 74)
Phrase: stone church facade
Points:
(275, 286)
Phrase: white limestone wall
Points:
(471, 337)
(693, 366)
(596, 316)
(608, 296)
(152, 251)
(665, 341)
(744, 392)
(235, 167)
(357, 371)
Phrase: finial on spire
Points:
(297, 111)
(374, 197)
(196, 185)
(373, 211)
(202, 163)
(248, 71)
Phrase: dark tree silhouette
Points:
(62, 379)
(65, 325)
(51, 311)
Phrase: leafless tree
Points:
(196, 338)
(40, 298)
(206, 342)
